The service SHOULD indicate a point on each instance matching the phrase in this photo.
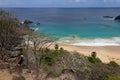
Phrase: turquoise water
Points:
(81, 29)
(75, 26)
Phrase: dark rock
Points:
(117, 18)
(27, 22)
(107, 16)
(38, 23)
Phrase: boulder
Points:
(117, 18)
(27, 22)
(38, 23)
(13, 54)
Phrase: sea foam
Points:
(35, 29)
(114, 41)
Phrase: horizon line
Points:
(59, 7)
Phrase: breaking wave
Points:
(75, 40)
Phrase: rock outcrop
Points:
(27, 22)
(117, 18)
(107, 17)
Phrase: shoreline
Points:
(105, 53)
(77, 41)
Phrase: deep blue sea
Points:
(78, 26)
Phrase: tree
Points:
(11, 37)
(38, 42)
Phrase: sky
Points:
(59, 3)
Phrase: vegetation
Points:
(101, 71)
(11, 40)
(93, 58)
(40, 57)
(113, 64)
(114, 77)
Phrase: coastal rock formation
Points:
(107, 17)
(27, 22)
(117, 18)
(38, 23)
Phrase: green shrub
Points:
(113, 77)
(47, 61)
(61, 49)
(49, 56)
(93, 54)
(54, 54)
(113, 64)
(93, 58)
(47, 50)
(56, 47)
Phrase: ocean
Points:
(77, 26)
